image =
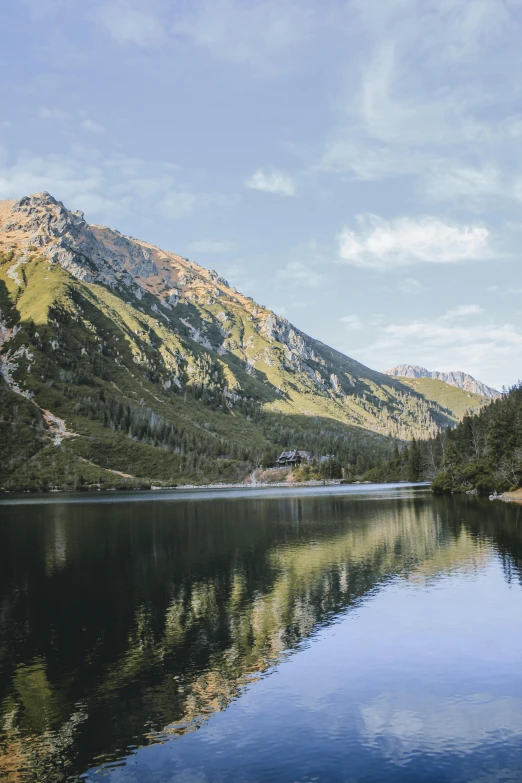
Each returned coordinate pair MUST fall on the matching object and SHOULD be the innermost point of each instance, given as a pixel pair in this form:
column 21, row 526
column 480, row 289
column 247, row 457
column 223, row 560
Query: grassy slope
column 83, row 350
column 457, row 402
column 96, row 350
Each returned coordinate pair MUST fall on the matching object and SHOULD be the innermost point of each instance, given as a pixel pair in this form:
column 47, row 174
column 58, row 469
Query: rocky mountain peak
column 42, row 223
column 455, row 378
column 97, row 254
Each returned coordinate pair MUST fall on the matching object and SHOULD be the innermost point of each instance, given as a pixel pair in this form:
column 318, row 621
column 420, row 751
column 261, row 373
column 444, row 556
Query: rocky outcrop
column 276, row 328
column 89, row 253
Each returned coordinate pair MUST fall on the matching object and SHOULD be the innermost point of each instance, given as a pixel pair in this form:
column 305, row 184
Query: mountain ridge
column 456, row 378
column 141, row 362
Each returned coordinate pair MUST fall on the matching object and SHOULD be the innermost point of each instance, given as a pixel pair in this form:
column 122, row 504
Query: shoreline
column 509, row 497
column 190, row 491
column 221, row 485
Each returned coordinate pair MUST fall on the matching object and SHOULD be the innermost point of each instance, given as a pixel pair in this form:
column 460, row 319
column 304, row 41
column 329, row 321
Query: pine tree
column 415, row 462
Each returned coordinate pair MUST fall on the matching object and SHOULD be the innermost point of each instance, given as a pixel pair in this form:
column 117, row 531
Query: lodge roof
column 288, row 456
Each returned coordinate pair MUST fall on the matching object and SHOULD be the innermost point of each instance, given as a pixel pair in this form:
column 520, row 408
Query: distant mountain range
column 459, row 379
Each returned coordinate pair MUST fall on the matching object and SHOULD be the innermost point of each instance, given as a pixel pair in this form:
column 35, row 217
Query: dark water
column 265, row 637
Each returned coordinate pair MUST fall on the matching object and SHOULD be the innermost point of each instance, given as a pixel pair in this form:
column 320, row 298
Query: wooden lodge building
column 293, row 458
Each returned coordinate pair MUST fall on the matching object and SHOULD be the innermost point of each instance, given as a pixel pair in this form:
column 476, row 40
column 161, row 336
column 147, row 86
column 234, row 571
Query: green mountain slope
column 456, row 402
column 130, row 364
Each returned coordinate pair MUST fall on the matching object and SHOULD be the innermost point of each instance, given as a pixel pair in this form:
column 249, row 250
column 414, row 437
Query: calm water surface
column 333, row 634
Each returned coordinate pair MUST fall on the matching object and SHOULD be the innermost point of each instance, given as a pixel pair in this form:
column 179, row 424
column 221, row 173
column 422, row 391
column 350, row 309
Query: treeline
column 482, row 453
column 146, row 426
column 142, row 424
column 411, row 413
column 356, row 452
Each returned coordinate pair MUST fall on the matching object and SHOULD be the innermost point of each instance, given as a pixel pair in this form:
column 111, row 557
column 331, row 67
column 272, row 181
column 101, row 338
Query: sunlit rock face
column 459, row 379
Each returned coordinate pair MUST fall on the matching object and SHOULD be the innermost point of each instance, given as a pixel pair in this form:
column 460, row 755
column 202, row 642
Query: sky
column 355, row 165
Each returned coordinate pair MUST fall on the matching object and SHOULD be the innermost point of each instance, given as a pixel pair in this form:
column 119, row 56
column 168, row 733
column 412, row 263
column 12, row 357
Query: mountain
column 459, row 379
column 123, row 364
column 450, row 398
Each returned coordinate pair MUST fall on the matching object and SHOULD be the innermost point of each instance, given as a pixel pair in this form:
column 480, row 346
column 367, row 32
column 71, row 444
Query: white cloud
column 392, row 126
column 462, row 311
column 92, row 127
column 130, row 25
column 62, row 176
column 428, row 100
column 388, row 244
column 272, row 181
column 299, row 273
column 352, row 322
column 211, row 247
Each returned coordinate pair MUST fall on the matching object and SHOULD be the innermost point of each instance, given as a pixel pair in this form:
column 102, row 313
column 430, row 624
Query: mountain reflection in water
column 130, row 624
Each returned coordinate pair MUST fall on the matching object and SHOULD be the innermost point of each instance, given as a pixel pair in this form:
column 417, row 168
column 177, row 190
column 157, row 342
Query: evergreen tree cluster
column 483, row 453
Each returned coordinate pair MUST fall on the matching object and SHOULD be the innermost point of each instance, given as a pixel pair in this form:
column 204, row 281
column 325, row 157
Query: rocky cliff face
column 97, row 254
column 459, row 379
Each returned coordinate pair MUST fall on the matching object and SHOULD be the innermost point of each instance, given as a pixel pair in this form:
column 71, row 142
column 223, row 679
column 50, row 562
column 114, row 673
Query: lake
column 260, row 636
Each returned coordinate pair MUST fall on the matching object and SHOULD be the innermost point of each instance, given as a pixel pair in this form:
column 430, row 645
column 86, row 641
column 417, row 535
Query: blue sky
column 356, row 166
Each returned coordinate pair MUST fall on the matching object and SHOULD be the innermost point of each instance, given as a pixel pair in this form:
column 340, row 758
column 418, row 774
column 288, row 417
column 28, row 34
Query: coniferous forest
column 483, row 453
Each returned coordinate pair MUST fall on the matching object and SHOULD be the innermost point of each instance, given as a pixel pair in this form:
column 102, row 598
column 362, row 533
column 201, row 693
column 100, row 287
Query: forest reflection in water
column 131, row 623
